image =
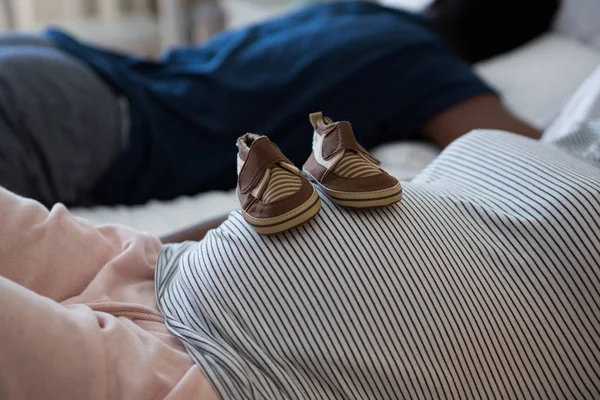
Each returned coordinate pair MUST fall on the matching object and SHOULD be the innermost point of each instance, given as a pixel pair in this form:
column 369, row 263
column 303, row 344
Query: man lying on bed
column 483, row 283
column 79, row 124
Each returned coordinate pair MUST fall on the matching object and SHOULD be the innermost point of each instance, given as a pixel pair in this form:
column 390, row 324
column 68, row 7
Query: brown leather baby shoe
column 345, row 170
column 274, row 195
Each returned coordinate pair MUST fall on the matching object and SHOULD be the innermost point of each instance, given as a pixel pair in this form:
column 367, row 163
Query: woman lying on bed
column 79, row 124
column 483, row 283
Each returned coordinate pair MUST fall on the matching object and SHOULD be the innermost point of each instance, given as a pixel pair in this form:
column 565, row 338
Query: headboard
column 165, row 17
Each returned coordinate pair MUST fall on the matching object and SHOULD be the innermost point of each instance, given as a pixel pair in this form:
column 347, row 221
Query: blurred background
column 145, row 26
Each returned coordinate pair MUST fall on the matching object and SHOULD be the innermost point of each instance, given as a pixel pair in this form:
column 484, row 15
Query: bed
column 536, row 82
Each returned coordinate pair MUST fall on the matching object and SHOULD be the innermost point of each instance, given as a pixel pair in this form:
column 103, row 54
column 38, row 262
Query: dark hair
column 480, row 29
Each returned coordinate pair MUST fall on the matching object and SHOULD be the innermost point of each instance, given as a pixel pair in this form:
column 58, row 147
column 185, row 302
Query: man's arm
column 195, row 232
column 480, row 112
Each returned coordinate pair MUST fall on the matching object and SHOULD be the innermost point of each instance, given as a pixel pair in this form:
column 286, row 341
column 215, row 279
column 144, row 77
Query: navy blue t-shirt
column 384, row 70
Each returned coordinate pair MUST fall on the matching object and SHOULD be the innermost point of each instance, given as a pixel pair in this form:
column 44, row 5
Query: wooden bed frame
column 32, row 14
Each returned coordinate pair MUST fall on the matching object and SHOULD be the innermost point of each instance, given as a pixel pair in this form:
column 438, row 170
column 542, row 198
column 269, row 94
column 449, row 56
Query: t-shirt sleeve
column 393, row 65
column 434, row 81
column 446, row 82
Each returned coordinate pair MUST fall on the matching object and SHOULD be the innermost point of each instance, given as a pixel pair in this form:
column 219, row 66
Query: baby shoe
column 273, row 193
column 347, row 172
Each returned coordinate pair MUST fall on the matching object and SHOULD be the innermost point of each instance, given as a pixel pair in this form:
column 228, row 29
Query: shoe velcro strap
column 263, row 154
column 341, row 138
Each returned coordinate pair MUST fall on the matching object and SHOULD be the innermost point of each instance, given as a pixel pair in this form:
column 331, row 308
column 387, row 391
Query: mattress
column 403, row 160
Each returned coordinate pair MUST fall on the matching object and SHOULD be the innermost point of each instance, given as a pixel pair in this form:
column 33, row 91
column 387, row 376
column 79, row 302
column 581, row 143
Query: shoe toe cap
column 276, row 209
column 382, row 181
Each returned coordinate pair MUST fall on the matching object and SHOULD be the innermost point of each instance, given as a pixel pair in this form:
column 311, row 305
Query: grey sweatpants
column 60, row 124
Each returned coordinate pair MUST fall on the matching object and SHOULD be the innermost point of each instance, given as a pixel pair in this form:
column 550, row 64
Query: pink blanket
column 78, row 315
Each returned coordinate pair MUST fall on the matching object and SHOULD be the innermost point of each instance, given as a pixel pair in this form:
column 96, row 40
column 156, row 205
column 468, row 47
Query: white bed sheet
column 402, row 160
column 536, row 82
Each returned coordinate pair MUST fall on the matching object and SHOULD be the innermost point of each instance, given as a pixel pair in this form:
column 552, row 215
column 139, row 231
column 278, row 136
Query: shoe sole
column 292, row 219
column 376, row 198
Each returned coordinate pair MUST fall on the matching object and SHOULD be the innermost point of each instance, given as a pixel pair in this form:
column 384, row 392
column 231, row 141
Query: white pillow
column 580, row 19
column 537, row 80
column 584, row 105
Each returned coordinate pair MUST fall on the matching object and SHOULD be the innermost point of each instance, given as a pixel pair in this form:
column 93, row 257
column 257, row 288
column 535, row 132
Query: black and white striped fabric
column 483, row 283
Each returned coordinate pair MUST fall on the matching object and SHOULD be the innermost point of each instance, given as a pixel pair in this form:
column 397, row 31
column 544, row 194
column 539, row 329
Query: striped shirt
column 483, row 283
